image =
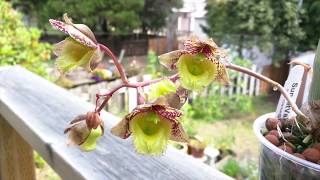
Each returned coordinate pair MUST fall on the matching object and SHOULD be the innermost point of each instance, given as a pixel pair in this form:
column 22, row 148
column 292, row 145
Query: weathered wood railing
column 35, row 112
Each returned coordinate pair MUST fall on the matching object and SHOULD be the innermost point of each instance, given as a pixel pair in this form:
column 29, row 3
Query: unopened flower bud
column 85, row 130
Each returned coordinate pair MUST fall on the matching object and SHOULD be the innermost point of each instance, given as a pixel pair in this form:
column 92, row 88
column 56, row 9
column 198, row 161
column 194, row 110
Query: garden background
column 264, row 35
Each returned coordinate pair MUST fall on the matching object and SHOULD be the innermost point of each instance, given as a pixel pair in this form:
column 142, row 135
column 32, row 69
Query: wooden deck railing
column 34, row 113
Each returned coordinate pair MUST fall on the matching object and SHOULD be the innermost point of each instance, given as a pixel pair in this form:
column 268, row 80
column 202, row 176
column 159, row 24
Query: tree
column 271, row 25
column 155, row 12
column 19, row 44
column 310, row 24
column 111, row 16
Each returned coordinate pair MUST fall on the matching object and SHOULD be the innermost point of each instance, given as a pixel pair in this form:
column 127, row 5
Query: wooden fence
column 33, row 115
column 126, row 99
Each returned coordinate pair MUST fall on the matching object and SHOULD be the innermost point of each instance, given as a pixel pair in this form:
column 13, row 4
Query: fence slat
column 251, row 81
column 238, row 84
column 244, row 84
column 257, row 88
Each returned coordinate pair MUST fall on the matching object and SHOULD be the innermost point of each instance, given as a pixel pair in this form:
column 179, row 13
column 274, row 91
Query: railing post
column 16, row 155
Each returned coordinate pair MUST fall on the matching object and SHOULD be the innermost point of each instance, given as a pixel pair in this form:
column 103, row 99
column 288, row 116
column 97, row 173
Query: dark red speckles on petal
column 167, row 112
column 61, row 26
column 207, row 51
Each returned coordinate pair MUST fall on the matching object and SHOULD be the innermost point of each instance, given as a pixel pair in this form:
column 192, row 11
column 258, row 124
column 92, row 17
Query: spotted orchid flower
column 80, row 49
column 151, row 126
column 198, row 64
column 85, row 130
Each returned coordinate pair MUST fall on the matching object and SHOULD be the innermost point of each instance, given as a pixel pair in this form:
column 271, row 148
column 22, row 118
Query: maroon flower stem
column 116, row 63
column 130, row 85
column 276, row 86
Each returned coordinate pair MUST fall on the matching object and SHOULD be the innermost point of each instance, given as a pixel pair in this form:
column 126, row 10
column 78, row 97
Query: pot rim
column 259, row 123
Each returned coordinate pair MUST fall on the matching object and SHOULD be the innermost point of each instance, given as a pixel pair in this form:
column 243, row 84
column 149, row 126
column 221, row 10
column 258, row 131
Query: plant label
column 292, row 85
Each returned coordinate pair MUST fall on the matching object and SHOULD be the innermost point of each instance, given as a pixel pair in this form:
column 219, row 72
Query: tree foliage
column 154, row 13
column 112, row 16
column 274, row 26
column 310, row 24
column 19, row 44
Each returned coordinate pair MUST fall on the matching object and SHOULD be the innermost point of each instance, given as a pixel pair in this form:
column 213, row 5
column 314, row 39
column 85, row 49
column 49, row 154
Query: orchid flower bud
column 85, row 130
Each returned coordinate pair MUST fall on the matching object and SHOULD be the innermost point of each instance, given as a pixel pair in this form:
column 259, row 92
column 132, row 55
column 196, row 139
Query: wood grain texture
column 40, row 110
column 16, row 155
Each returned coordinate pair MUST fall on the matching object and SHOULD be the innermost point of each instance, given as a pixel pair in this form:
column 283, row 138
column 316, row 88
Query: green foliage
column 187, row 121
column 267, row 24
column 310, row 24
column 19, row 44
column 231, row 168
column 154, row 13
column 219, row 106
column 153, row 64
column 113, row 16
column 240, row 170
column 39, row 161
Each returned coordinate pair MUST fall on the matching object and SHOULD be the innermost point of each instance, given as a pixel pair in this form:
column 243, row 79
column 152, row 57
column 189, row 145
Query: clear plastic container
column 276, row 164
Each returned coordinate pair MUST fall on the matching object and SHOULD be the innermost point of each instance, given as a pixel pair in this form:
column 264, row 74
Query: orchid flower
column 151, row 126
column 80, row 49
column 198, row 64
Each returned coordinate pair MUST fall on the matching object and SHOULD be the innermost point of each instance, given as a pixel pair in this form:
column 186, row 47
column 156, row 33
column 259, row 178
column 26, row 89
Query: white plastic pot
column 276, row 164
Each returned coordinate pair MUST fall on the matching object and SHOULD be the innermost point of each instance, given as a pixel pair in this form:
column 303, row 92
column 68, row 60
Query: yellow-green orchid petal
column 91, row 141
column 150, row 133
column 72, row 54
column 161, row 88
column 152, row 126
column 195, row 71
column 170, row 59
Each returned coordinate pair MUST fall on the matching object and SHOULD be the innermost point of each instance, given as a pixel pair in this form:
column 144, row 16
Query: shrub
column 219, row 106
column 231, row 168
column 19, row 44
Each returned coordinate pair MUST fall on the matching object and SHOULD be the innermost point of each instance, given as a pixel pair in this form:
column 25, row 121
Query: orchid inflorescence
column 156, row 119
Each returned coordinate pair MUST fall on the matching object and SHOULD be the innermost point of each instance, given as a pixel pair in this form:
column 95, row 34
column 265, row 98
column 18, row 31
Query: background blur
column 263, row 35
